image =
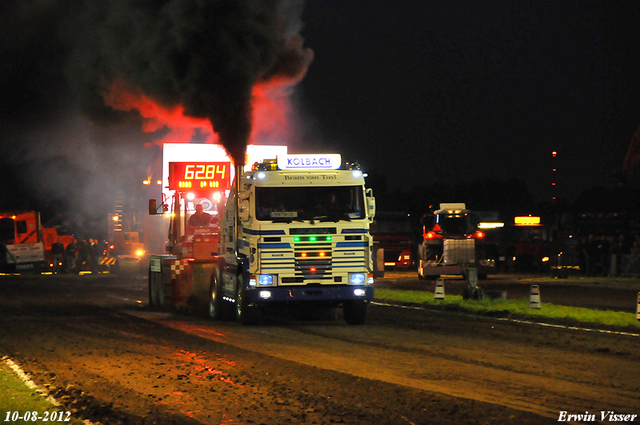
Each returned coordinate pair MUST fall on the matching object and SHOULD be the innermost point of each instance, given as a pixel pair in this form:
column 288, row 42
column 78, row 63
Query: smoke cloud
column 208, row 60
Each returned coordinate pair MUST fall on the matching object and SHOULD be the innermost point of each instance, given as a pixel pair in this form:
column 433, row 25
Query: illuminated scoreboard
column 199, row 176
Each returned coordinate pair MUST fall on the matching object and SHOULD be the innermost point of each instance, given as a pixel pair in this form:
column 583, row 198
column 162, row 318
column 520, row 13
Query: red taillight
column 430, row 235
column 479, row 234
column 112, row 247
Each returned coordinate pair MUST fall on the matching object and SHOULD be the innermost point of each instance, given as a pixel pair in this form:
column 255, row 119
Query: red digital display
column 199, row 176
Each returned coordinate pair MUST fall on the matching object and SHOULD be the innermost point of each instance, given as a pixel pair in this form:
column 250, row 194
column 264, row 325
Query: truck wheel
column 218, row 308
column 155, row 282
column 355, row 312
column 245, row 314
column 152, row 301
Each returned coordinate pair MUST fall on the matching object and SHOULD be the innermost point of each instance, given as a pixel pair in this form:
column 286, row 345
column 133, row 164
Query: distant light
column 357, row 174
column 146, row 182
column 191, row 196
column 115, row 218
column 554, row 154
column 490, row 225
column 527, row 221
column 261, row 175
column 159, row 182
column 217, row 196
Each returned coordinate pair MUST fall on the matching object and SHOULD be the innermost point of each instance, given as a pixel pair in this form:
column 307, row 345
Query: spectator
column 84, row 252
column 71, row 253
column 57, row 251
column 94, row 254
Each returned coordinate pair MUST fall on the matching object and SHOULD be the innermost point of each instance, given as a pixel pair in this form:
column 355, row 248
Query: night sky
column 420, row 93
column 441, row 91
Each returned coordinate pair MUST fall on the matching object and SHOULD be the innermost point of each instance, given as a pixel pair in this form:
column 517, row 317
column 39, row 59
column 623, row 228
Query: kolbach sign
column 310, row 162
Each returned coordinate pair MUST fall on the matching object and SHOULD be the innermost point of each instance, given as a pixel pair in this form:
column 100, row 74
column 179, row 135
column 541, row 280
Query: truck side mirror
column 371, row 204
column 153, row 208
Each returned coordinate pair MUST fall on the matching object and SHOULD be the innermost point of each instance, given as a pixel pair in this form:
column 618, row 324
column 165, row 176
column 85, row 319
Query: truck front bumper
column 335, row 293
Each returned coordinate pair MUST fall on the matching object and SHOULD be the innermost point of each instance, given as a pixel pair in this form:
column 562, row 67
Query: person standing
column 57, row 251
column 70, row 255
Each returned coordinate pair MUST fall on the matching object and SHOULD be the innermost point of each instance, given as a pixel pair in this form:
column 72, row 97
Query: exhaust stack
column 238, row 170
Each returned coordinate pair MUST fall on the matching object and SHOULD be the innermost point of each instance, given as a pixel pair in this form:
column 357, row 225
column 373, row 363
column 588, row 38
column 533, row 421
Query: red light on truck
column 480, row 234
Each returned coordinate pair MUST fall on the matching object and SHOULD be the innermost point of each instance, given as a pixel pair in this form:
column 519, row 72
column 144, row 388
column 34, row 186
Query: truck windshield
column 324, row 203
column 453, row 225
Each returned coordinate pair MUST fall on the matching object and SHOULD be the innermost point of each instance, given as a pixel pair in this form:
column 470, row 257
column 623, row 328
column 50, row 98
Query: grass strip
column 517, row 306
column 15, row 396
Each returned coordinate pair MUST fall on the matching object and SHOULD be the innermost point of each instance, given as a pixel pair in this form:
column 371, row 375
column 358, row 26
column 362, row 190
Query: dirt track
column 103, row 353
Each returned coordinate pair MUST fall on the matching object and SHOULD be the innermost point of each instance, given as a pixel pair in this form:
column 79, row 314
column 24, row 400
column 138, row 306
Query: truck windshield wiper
column 286, row 220
column 333, row 218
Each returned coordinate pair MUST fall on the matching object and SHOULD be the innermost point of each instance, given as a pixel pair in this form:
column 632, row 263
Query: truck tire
column 218, row 307
column 355, row 312
column 245, row 314
column 155, row 281
column 152, row 301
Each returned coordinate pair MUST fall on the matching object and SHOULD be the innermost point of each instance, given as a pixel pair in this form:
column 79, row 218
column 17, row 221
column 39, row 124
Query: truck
column 452, row 244
column 26, row 243
column 393, row 233
column 293, row 232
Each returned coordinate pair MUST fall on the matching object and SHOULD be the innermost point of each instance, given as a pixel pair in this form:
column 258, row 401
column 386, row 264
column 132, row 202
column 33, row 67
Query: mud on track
column 78, row 338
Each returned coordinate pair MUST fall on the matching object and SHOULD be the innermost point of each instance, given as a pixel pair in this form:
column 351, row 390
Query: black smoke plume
column 205, row 55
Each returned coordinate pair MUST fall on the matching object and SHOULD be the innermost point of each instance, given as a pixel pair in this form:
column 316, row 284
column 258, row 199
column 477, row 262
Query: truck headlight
column 266, row 280
column 356, row 278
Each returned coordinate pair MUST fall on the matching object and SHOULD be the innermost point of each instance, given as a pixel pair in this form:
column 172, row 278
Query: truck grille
column 310, row 259
column 313, row 260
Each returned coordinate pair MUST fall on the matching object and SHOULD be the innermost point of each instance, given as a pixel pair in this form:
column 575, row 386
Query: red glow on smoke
column 123, row 97
column 270, row 114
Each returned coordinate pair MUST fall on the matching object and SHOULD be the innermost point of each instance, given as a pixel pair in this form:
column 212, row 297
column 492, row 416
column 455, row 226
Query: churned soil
column 92, row 343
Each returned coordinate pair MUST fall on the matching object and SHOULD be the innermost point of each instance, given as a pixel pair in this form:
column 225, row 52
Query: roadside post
column 439, row 293
column 534, row 298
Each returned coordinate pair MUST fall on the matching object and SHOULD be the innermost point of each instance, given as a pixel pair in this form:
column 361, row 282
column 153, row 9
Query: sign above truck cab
column 310, row 162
